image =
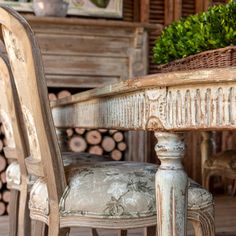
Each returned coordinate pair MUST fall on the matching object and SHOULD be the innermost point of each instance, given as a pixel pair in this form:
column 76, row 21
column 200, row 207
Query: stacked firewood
column 99, row 142
column 4, row 192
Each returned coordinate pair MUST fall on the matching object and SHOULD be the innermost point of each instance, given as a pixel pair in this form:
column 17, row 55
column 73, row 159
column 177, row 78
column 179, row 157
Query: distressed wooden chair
column 18, row 180
column 117, row 195
column 222, row 164
column 16, row 151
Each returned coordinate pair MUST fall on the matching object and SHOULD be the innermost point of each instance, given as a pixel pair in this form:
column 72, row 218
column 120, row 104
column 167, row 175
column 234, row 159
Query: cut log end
column 69, row 132
column 116, row 155
column 63, row 94
column 80, row 131
column 3, row 163
column 2, row 208
column 93, row 137
column 97, row 150
column 118, row 136
column 6, row 196
column 77, row 144
column 122, row 146
column 108, row 144
column 52, row 97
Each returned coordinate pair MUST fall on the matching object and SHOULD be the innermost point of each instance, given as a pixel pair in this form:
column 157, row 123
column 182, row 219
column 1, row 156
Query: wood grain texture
column 106, row 51
column 224, row 214
column 203, row 100
column 15, row 146
column 171, row 185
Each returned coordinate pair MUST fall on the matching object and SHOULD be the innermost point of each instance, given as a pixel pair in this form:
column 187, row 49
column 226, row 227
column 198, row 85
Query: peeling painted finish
column 171, row 185
column 175, row 108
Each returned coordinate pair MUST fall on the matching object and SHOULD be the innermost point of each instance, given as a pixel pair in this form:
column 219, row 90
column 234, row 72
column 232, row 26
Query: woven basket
column 222, row 57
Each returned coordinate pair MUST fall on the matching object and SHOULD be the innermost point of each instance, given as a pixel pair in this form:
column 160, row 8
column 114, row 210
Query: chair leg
column 206, row 180
column 150, row 231
column 122, row 232
column 64, row 232
column 203, row 221
column 38, row 228
column 13, row 214
column 94, row 232
column 233, row 188
column 24, row 221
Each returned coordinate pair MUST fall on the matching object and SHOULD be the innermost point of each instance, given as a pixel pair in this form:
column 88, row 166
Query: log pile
column 99, row 142
column 4, row 192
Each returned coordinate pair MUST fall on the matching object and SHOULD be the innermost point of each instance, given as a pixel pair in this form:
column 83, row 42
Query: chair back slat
column 26, row 64
column 9, row 113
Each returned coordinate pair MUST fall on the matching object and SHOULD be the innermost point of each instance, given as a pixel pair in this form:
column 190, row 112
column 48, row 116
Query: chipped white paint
column 170, row 108
column 171, row 185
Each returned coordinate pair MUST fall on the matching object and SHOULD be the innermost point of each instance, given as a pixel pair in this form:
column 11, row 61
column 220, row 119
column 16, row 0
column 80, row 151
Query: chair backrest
column 26, row 65
column 9, row 115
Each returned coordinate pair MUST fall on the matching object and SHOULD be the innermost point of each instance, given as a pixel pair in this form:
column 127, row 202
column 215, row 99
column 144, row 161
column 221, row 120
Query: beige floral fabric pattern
column 225, row 159
column 111, row 190
column 13, row 174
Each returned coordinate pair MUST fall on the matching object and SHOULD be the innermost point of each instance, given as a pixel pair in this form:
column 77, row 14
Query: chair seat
column 111, row 190
column 225, row 159
column 13, row 176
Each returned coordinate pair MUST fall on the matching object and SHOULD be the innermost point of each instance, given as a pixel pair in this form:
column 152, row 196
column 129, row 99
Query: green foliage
column 101, row 3
column 213, row 29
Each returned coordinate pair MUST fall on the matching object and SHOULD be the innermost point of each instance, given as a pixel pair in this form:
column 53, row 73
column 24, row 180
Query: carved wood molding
column 173, row 108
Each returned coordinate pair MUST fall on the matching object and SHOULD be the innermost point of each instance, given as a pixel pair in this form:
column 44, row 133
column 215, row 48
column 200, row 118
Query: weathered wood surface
column 88, row 53
column 180, row 101
column 171, row 185
column 202, row 99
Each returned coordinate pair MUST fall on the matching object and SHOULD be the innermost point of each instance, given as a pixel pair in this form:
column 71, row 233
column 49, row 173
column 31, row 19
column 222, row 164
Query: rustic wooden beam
column 145, row 11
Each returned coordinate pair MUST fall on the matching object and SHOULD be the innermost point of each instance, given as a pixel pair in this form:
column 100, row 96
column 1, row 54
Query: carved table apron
column 168, row 104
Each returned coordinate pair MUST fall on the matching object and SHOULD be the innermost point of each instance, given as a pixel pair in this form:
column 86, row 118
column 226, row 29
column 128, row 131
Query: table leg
column 171, row 185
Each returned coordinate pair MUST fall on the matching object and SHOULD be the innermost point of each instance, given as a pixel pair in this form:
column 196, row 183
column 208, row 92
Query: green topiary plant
column 213, row 29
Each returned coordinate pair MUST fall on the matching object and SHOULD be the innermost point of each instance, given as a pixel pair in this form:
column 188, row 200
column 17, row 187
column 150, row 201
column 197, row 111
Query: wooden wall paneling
column 156, row 16
column 177, row 9
column 213, row 2
column 188, row 7
column 169, row 11
column 157, row 12
column 137, row 10
column 201, row 5
column 128, row 10
column 173, row 11
column 145, row 11
column 89, row 53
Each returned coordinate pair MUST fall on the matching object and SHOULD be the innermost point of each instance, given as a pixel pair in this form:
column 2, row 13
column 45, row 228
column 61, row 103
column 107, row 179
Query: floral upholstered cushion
column 111, row 190
column 13, row 175
column 225, row 159
column 198, row 197
column 13, row 170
